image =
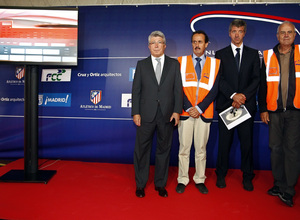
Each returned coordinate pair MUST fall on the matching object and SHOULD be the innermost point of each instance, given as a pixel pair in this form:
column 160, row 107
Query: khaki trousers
column 198, row 130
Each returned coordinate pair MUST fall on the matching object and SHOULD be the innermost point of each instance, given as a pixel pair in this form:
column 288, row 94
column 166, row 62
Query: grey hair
column 157, row 34
column 285, row 22
column 238, row 23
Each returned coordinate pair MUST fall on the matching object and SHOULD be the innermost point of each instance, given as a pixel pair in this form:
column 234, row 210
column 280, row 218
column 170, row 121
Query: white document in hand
column 234, row 116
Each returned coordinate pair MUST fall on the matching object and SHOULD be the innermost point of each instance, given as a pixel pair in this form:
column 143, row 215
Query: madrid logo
column 96, row 96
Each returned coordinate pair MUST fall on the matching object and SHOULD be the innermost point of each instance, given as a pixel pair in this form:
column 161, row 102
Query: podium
column 30, row 174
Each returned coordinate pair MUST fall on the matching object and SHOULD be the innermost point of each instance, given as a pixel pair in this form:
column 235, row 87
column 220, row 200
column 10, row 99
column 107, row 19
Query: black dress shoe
column 162, row 191
column 287, row 199
column 180, row 188
column 274, row 191
column 202, row 188
column 140, row 192
column 247, row 184
column 221, row 182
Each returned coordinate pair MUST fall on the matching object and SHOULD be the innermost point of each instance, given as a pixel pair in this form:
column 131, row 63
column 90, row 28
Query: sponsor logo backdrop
column 85, row 110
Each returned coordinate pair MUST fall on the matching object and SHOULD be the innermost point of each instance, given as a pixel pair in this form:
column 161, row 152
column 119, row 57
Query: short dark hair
column 200, row 32
column 238, row 23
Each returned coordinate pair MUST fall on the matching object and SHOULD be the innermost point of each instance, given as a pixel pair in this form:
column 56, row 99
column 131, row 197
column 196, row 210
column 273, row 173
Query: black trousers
column 284, row 142
column 245, row 135
column 143, row 146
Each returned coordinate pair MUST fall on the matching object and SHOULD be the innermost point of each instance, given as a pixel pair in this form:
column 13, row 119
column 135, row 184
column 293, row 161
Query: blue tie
column 198, row 68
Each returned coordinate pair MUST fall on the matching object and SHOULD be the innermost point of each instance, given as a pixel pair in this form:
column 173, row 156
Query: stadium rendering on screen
column 39, row 36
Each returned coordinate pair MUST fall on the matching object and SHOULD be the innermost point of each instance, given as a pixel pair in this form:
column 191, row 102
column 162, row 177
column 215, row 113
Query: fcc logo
column 56, row 75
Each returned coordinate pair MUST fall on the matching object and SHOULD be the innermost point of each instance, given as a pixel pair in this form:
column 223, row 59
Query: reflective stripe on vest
column 297, row 72
column 189, row 80
column 273, row 78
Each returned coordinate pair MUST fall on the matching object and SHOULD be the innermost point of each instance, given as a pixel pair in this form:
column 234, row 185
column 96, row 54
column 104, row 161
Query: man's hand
column 193, row 112
column 175, row 116
column 137, row 120
column 264, row 116
column 235, row 104
column 238, row 100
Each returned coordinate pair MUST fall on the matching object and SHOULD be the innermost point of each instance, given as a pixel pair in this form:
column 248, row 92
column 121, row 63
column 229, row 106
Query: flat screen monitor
column 39, row 36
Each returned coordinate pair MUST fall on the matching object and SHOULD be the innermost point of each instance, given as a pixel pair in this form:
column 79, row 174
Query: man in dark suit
column 156, row 105
column 237, row 87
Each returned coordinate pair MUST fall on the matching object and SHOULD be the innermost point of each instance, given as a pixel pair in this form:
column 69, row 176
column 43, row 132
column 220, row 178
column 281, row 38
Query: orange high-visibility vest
column 190, row 81
column 273, row 78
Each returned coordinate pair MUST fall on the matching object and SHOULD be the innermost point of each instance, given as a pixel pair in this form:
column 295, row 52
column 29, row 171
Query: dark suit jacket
column 246, row 81
column 147, row 94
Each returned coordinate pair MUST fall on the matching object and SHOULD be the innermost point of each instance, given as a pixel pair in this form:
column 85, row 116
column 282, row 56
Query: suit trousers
column 245, row 135
column 189, row 130
column 284, row 142
column 143, row 146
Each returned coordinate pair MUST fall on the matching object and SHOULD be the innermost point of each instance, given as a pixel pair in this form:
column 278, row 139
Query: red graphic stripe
column 246, row 14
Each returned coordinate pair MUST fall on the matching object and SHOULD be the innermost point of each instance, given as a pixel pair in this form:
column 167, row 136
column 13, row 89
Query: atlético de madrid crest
column 96, row 96
column 20, row 72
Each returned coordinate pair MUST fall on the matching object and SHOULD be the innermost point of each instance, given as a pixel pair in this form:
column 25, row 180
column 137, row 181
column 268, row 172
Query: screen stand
column 30, row 173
